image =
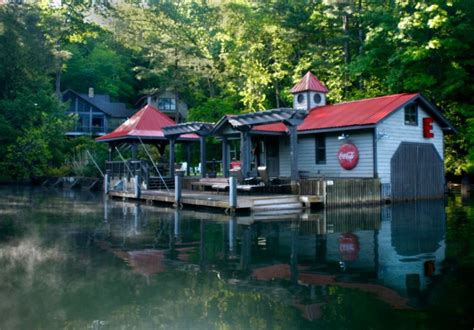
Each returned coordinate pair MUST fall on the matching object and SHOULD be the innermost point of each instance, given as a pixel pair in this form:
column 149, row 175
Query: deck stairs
column 155, row 183
column 287, row 204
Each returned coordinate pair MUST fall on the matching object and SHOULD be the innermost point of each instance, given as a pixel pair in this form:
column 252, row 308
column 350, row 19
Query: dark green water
column 71, row 260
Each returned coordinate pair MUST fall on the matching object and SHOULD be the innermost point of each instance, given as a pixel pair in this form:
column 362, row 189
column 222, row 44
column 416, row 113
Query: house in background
column 169, row 103
column 96, row 114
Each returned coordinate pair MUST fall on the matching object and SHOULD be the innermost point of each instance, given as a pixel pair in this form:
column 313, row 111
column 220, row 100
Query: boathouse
column 397, row 139
column 350, row 153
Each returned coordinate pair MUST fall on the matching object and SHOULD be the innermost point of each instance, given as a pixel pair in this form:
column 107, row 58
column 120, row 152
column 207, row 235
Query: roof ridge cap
column 367, row 99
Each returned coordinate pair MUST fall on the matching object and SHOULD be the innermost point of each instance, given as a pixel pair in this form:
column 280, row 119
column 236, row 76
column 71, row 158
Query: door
column 417, row 172
column 272, row 159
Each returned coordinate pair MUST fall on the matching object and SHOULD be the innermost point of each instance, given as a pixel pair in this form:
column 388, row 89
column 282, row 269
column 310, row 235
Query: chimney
column 148, row 100
column 91, row 92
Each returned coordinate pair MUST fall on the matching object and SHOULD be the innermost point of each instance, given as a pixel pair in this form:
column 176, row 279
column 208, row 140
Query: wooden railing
column 120, row 169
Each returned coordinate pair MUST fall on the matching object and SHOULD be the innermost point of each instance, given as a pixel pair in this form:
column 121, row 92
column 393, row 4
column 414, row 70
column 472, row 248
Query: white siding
column 304, row 104
column 393, row 131
column 307, row 155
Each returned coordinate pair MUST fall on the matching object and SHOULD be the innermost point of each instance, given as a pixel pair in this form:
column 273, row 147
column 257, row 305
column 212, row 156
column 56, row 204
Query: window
column 411, row 115
column 320, row 149
column 97, row 123
column 317, row 98
column 300, row 98
column 167, row 104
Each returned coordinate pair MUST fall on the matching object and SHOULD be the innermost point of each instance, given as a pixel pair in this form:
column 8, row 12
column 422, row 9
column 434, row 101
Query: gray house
column 168, row 102
column 398, row 139
column 96, row 114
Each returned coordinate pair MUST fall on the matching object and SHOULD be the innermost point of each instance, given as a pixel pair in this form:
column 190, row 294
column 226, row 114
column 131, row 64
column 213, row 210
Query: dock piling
column 178, row 181
column 106, row 182
column 137, row 184
column 232, row 193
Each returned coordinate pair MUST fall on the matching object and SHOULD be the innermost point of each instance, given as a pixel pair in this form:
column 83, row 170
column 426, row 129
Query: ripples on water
column 71, row 260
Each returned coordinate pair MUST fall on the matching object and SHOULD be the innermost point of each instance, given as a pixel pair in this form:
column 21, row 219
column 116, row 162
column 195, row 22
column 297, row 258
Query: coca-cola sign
column 348, row 156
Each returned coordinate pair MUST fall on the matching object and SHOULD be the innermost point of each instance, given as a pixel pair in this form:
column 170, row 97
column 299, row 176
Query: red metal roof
column 146, row 123
column 309, row 83
column 355, row 113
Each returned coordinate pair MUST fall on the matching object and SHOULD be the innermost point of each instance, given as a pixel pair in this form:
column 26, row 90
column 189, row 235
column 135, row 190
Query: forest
column 223, row 57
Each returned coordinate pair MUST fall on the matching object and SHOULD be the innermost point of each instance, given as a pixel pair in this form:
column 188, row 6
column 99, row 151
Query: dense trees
column 234, row 56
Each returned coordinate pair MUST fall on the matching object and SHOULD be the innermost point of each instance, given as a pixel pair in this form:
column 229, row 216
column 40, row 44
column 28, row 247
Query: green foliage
column 236, row 56
column 79, row 160
column 95, row 63
column 33, row 122
column 212, row 110
column 29, row 155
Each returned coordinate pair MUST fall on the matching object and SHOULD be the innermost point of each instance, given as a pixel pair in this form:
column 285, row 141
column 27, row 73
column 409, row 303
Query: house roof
column 147, row 123
column 364, row 112
column 102, row 102
column 309, row 83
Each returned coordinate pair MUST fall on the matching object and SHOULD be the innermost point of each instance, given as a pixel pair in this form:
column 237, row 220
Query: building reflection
column 391, row 251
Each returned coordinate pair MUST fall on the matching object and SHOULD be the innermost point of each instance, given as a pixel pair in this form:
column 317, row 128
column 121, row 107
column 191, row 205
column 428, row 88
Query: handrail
column 125, row 162
column 154, row 165
column 93, row 160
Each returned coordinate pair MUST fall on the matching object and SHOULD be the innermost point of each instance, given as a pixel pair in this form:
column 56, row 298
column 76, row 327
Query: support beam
column 172, row 155
column 245, row 150
column 111, row 150
column 202, row 140
column 225, row 157
column 134, row 151
column 293, row 152
column 188, row 158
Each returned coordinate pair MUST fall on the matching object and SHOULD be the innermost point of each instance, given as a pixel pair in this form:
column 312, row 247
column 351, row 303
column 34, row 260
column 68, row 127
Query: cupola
column 309, row 92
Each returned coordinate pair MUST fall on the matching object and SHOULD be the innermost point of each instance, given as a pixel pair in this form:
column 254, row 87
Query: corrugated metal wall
column 417, row 172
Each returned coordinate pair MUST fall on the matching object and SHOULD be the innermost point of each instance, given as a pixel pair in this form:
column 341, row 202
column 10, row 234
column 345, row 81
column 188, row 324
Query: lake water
column 71, row 259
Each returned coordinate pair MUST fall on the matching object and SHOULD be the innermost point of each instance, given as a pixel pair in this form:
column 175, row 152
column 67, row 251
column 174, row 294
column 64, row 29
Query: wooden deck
column 260, row 203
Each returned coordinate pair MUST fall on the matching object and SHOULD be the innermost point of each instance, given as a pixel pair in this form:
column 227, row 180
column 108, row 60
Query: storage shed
column 397, row 138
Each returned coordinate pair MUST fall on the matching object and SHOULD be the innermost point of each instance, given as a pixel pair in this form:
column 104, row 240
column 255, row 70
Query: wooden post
column 172, row 155
column 134, row 151
column 188, row 158
column 111, row 150
column 178, row 179
column 137, row 184
column 232, row 193
column 245, row 151
column 106, row 181
column 225, row 157
column 293, row 152
column 202, row 140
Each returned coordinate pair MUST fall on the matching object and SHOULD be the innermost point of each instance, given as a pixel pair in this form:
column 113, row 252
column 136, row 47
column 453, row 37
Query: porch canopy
column 242, row 125
column 174, row 132
column 145, row 126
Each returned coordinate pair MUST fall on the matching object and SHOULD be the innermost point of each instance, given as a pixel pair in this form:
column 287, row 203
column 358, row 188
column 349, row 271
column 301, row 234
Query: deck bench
column 204, row 183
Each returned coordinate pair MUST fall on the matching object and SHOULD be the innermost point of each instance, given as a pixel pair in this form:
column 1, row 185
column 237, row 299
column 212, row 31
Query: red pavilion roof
column 355, row 113
column 146, row 123
column 309, row 83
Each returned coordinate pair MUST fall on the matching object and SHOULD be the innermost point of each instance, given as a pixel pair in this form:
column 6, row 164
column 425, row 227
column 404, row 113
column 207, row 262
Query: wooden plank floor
column 212, row 199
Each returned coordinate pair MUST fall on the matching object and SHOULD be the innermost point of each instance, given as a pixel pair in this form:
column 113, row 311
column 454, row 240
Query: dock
column 209, row 199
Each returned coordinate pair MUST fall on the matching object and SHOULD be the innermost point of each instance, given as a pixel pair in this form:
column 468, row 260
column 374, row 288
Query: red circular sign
column 348, row 156
column 349, row 246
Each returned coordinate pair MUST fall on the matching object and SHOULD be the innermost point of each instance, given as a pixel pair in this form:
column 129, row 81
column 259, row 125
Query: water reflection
column 116, row 263
column 397, row 247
